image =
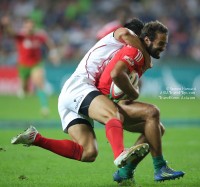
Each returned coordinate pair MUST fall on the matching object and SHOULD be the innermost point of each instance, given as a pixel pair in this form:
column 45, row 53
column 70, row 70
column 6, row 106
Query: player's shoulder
column 40, row 32
column 130, row 49
column 132, row 54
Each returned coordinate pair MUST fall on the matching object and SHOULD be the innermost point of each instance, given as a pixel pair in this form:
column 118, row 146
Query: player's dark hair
column 151, row 29
column 135, row 25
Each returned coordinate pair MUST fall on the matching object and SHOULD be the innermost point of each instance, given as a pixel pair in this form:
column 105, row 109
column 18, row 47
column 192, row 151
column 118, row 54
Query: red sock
column 66, row 148
column 114, row 134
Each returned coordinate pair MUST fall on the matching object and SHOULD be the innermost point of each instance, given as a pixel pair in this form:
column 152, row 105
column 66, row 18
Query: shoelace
column 170, row 170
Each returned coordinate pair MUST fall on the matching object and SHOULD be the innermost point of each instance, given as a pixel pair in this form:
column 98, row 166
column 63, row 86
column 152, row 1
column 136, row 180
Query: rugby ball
column 116, row 93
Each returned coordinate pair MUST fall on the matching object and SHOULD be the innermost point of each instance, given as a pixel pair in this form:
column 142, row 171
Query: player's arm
column 126, row 36
column 53, row 52
column 7, row 27
column 119, row 75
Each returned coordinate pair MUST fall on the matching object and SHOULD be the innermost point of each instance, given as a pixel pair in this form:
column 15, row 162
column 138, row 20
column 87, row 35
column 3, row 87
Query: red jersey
column 131, row 56
column 108, row 28
column 29, row 52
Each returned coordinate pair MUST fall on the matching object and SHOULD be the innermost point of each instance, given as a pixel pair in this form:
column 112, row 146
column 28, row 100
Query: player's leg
column 142, row 139
column 83, row 134
column 82, row 147
column 38, row 77
column 65, row 148
column 125, row 175
column 144, row 118
column 135, row 118
column 102, row 109
column 83, row 98
column 24, row 74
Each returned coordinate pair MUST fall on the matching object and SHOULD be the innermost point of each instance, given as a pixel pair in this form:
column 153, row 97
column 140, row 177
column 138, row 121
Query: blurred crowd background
column 74, row 24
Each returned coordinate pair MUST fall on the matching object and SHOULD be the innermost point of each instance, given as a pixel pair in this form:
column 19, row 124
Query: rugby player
column 80, row 103
column 30, row 65
column 139, row 117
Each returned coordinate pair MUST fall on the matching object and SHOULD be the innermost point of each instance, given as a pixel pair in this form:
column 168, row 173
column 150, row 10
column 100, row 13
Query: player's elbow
column 121, row 33
column 124, row 32
column 114, row 75
column 137, row 95
column 125, row 35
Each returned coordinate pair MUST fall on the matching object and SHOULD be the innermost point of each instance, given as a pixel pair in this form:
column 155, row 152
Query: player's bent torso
column 85, row 78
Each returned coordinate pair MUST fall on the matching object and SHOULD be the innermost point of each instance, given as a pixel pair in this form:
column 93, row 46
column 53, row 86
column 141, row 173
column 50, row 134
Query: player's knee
column 89, row 155
column 154, row 112
column 114, row 115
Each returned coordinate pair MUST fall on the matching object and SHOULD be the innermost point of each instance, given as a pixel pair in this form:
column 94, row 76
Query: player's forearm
column 53, row 52
column 123, row 82
column 50, row 44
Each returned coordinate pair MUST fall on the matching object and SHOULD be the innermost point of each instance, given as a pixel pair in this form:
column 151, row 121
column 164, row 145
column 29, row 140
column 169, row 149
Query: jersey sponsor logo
column 129, row 60
column 139, row 56
column 28, row 44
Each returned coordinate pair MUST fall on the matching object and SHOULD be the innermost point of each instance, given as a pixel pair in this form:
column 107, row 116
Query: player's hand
column 146, row 66
column 55, row 61
column 5, row 20
column 54, row 57
column 131, row 97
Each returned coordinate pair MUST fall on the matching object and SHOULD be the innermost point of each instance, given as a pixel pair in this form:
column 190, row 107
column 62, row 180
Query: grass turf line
column 13, row 108
column 43, row 168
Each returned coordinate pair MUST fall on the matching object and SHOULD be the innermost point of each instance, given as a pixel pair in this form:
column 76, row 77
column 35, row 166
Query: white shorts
column 71, row 97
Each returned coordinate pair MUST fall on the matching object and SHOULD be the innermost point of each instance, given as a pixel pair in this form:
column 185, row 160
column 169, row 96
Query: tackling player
column 79, row 102
column 30, row 65
column 138, row 116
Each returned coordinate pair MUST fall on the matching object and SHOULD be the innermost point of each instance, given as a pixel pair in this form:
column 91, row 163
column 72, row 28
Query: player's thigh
column 103, row 109
column 37, row 76
column 136, row 112
column 86, row 99
column 24, row 74
column 140, row 128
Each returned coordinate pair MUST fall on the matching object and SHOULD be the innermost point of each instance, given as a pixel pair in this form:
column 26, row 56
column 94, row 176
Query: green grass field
column 43, row 168
column 13, row 108
column 181, row 147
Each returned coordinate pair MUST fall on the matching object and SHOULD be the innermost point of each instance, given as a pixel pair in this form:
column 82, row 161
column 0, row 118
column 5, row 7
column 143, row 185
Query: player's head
column 28, row 25
column 155, row 36
column 135, row 25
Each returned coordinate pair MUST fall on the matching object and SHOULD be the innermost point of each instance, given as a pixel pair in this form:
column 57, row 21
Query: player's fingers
column 151, row 64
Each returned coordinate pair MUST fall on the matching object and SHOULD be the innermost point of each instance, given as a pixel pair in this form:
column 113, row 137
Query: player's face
column 158, row 45
column 28, row 26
